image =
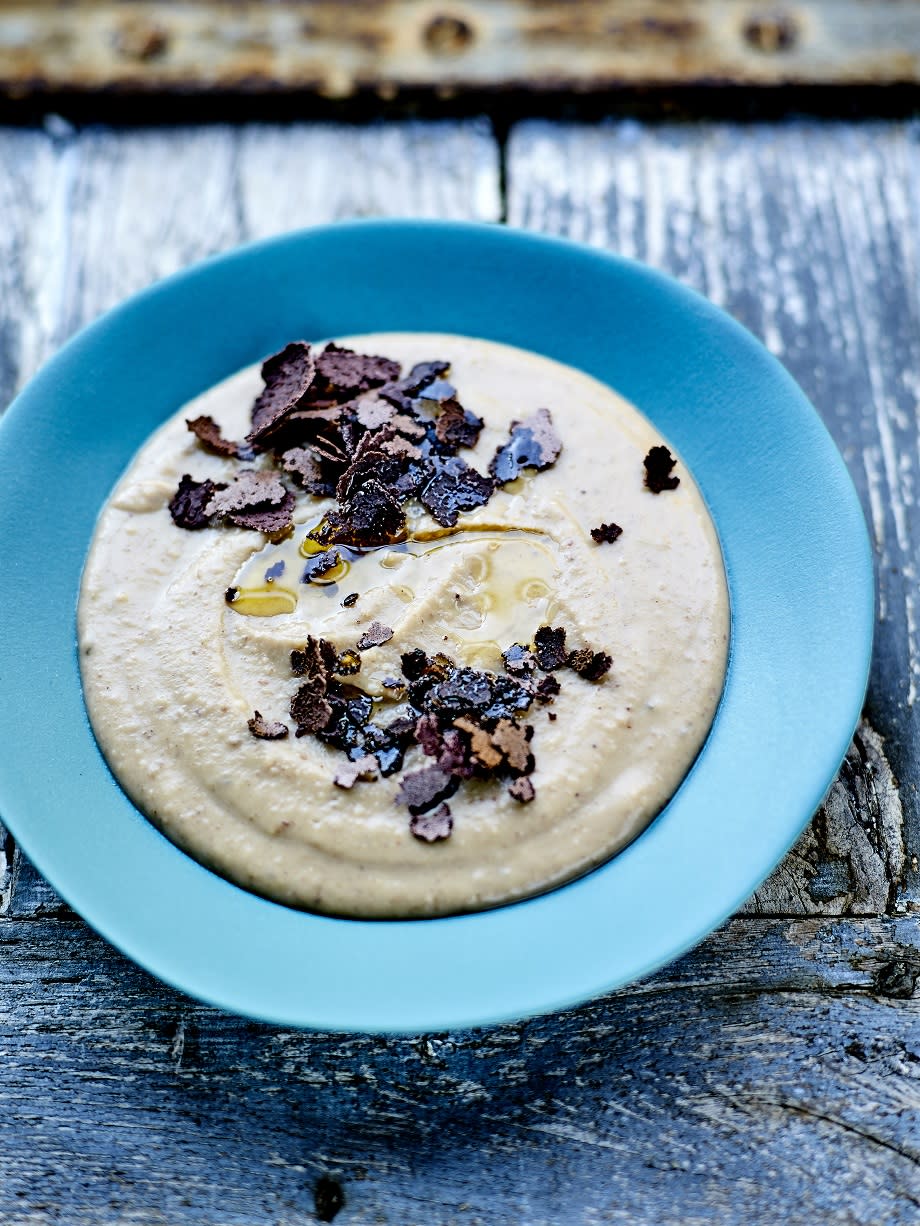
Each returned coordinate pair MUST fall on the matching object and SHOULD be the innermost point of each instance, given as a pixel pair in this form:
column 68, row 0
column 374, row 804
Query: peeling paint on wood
column 336, row 49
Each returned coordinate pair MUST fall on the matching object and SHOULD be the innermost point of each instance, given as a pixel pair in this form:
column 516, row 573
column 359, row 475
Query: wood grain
column 806, row 233
column 786, row 1090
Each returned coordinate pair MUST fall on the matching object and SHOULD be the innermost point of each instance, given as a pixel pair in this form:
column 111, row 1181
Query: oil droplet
column 309, row 546
column 267, row 602
column 334, row 575
column 534, row 589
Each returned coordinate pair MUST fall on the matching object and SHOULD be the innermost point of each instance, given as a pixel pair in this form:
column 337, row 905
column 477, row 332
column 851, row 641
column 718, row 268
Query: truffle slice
column 606, row 534
column 519, row 660
column 303, row 465
column 421, row 790
column 317, row 658
column 248, row 490
column 658, row 464
column 363, row 768
column 522, row 790
column 456, row 426
column 534, row 443
column 287, row 376
column 344, row 374
column 270, row 520
column 375, row 635
column 549, row 647
column 547, row 689
column 481, row 746
column 320, row 564
column 432, row 827
column 309, row 708
column 267, row 729
column 208, row 433
column 371, row 516
column 188, row 506
column 592, row 665
column 373, row 412
column 455, row 487
column 513, row 740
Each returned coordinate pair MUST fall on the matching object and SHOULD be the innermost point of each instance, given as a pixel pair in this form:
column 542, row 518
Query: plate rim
column 541, row 999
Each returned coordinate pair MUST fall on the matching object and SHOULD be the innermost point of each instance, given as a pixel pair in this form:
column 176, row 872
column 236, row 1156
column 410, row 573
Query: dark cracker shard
column 266, row 729
column 658, row 464
column 534, row 443
column 188, row 506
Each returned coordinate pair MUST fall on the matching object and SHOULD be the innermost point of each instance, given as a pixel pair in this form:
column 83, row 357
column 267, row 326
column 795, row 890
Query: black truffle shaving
column 606, row 534
column 550, row 649
column 534, row 443
column 658, row 464
column 188, row 505
column 455, row 487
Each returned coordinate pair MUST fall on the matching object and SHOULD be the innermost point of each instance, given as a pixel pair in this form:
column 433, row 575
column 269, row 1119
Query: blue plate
column 799, row 570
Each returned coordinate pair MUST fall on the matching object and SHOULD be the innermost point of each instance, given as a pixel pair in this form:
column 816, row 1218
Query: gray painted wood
column 806, row 232
column 771, row 1075
column 784, row 1090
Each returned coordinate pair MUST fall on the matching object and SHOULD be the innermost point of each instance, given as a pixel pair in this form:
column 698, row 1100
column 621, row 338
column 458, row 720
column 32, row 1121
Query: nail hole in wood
column 772, row 31
column 447, row 35
column 139, row 40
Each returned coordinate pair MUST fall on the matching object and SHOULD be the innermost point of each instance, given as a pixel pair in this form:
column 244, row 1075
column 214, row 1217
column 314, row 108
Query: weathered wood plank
column 90, row 217
column 805, row 232
column 850, row 860
column 336, row 49
column 788, row 1090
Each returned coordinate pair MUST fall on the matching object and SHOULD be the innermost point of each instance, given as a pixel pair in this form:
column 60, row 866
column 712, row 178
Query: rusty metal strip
column 336, row 49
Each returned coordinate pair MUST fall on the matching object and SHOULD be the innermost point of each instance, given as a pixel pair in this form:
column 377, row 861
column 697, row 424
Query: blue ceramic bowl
column 796, row 553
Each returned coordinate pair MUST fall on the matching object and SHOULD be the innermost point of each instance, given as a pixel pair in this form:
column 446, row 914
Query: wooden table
column 771, row 1075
